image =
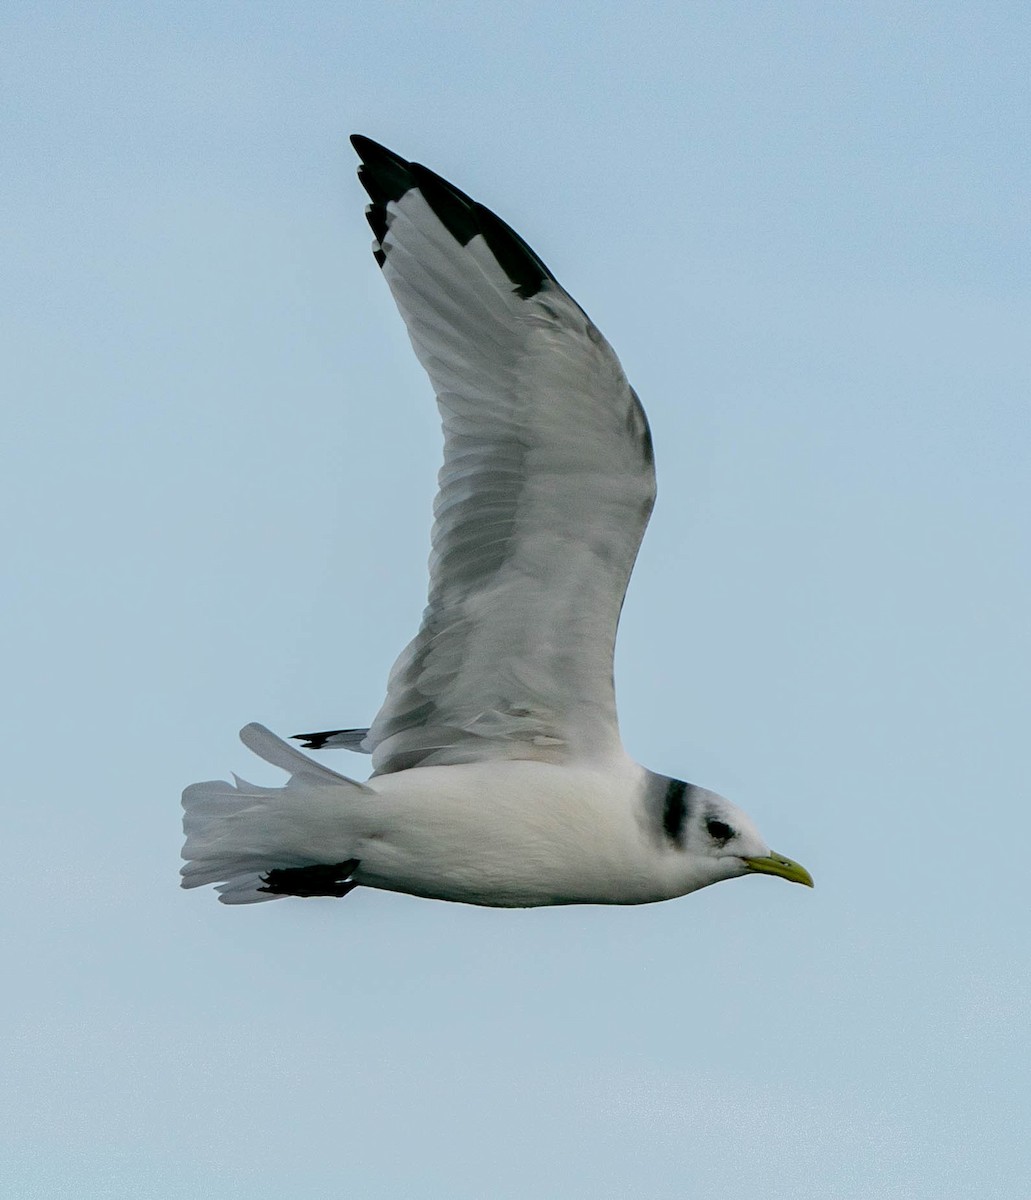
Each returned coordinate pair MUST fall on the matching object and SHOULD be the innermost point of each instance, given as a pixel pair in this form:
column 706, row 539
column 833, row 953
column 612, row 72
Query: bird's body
column 500, row 777
column 512, row 834
column 521, row 833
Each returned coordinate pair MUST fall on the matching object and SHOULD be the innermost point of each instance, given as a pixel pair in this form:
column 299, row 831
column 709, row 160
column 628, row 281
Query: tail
column 260, row 843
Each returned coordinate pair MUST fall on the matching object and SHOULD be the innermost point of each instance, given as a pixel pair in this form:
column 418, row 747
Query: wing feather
column 545, row 491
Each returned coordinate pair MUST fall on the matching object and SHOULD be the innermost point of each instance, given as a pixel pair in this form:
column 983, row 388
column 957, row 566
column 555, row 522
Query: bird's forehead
column 713, row 805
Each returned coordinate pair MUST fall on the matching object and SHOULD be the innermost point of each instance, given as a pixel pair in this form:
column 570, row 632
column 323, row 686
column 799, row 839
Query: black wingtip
column 370, row 151
column 521, row 264
column 452, row 207
column 387, row 176
column 312, row 741
column 367, row 146
column 351, row 739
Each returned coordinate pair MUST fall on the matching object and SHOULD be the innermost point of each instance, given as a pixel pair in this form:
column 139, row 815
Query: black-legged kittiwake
column 499, row 777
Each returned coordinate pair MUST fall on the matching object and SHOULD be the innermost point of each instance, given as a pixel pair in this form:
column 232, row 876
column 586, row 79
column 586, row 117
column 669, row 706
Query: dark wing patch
column 386, row 177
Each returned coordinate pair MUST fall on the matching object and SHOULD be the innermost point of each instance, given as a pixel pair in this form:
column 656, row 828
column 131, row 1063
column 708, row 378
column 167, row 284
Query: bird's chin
column 728, row 866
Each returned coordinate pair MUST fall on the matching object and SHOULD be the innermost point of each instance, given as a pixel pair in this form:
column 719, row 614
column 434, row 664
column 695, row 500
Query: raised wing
column 545, row 492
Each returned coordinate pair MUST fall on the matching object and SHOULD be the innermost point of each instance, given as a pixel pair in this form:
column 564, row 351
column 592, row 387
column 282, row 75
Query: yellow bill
column 777, row 864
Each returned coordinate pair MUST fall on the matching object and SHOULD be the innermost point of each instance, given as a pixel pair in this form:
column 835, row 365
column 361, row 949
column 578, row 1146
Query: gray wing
column 547, row 485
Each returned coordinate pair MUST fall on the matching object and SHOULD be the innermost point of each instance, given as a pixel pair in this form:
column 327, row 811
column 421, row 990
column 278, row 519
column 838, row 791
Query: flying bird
column 499, row 777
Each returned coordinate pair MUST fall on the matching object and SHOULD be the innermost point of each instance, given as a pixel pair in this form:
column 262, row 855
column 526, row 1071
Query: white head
column 716, row 839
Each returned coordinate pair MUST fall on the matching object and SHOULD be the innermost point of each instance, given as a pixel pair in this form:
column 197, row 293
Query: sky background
column 803, row 227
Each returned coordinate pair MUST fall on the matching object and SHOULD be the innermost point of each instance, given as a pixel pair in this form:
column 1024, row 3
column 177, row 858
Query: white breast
column 513, row 834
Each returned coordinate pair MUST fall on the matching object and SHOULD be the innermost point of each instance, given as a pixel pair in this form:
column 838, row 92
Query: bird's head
column 728, row 843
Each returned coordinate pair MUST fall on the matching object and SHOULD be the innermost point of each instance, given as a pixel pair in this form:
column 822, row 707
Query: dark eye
column 719, row 831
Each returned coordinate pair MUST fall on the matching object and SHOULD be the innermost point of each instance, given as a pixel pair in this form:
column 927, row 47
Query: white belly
column 510, row 834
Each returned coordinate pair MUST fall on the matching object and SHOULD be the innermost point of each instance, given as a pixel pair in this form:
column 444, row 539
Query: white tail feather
column 237, row 832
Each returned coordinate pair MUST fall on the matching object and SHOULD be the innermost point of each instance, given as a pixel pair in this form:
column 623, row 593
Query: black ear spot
column 719, row 831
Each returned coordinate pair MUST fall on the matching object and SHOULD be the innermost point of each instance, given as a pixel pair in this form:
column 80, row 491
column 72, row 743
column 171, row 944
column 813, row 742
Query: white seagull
column 499, row 774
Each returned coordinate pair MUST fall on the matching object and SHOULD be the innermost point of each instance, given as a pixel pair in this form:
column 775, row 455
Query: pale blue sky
column 804, row 229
